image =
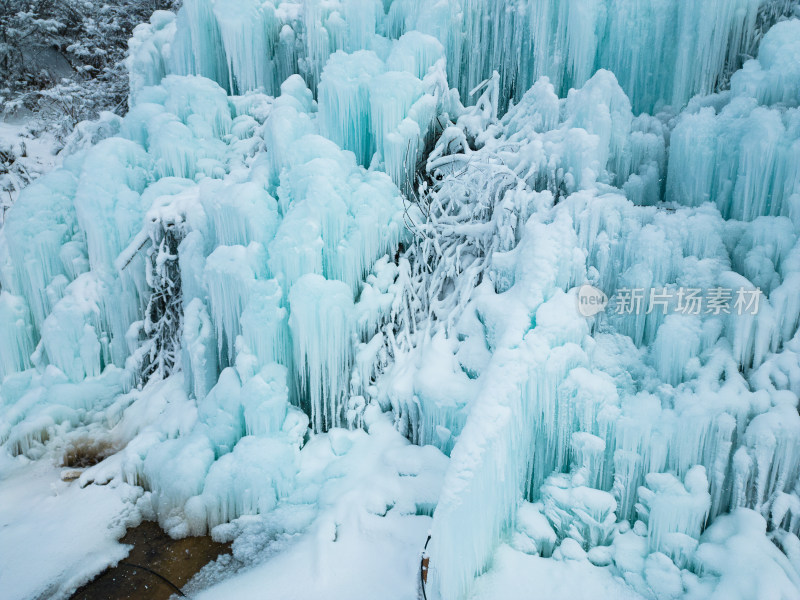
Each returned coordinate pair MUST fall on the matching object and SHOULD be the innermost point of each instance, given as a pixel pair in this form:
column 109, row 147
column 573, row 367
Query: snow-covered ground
column 516, row 576
column 354, row 523
column 55, row 536
column 367, row 528
column 26, row 156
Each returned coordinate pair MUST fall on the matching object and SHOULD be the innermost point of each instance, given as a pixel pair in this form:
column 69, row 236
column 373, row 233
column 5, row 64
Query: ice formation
column 325, row 227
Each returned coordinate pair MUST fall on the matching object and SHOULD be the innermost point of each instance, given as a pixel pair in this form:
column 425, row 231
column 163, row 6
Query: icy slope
column 309, row 317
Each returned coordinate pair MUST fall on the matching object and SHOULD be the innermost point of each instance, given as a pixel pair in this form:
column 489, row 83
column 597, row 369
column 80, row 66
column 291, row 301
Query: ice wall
column 190, row 158
column 665, row 437
column 652, row 47
column 353, row 241
column 741, row 150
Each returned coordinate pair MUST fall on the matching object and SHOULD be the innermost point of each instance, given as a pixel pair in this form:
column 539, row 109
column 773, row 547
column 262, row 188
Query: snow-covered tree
column 159, row 332
column 466, row 212
column 64, row 59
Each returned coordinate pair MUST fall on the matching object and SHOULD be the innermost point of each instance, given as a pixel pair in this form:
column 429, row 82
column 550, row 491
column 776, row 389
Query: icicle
column 344, row 102
column 16, row 335
column 488, row 475
column 241, row 213
column 230, row 274
column 415, row 53
column 199, row 349
column 774, row 77
column 752, row 173
column 677, row 341
column 483, row 486
column 147, row 60
column 265, row 399
column 584, row 514
column 362, row 17
column 248, row 481
column 175, row 470
column 589, row 456
column 197, row 47
column 249, row 32
column 771, row 440
column 42, row 220
column 390, row 98
column 322, row 324
column 73, row 334
column 338, row 218
column 565, row 41
column 264, row 324
column 669, row 507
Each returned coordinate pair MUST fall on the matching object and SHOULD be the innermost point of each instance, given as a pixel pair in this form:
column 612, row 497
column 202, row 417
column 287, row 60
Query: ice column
column 230, row 275
column 322, row 324
column 344, row 101
column 675, row 512
column 16, row 335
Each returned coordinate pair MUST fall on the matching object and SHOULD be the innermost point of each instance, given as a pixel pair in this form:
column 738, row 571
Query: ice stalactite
column 250, row 35
column 199, row 348
column 289, row 120
column 250, row 480
column 675, row 512
column 230, row 275
column 566, row 42
column 16, row 335
column 180, row 123
column 264, row 320
column 265, row 400
column 147, row 61
column 404, row 147
column 753, row 172
column 625, row 443
column 513, row 395
column 74, row 334
column 580, row 512
column 344, row 100
column 239, row 213
column 173, row 471
column 107, row 202
column 195, row 47
column 415, row 53
column 773, row 77
column 677, row 342
column 338, row 217
column 771, row 468
column 322, row 325
column 42, row 241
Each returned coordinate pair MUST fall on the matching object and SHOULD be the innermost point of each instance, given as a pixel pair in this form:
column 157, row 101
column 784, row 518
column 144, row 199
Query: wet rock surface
column 156, row 568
